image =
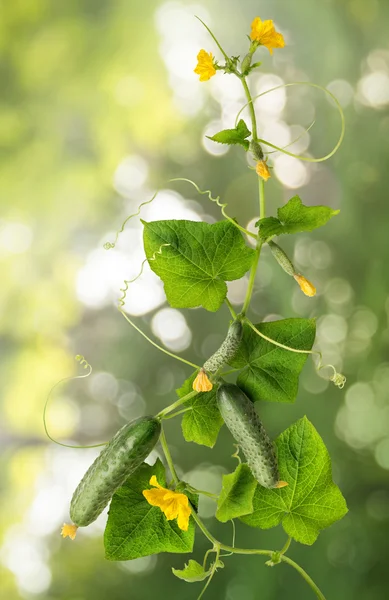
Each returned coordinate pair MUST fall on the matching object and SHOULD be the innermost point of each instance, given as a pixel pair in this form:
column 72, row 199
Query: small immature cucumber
column 282, row 258
column 120, row 458
column 228, row 348
column 242, row 420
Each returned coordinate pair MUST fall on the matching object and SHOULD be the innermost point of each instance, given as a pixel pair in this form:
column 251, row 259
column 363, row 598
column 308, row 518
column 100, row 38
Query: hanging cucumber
column 120, row 458
column 242, row 420
column 228, row 348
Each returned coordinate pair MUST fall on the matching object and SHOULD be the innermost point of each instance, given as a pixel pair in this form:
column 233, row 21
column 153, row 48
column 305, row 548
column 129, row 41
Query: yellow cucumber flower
column 173, row 504
column 281, row 484
column 263, row 170
column 265, row 34
column 306, row 286
column 69, row 531
column 202, row 383
column 205, row 65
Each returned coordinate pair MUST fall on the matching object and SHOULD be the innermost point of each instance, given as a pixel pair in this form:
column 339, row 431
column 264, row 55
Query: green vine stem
column 262, row 206
column 218, row 546
column 253, row 271
column 250, row 104
column 231, row 309
column 305, row 576
column 171, row 407
column 285, row 548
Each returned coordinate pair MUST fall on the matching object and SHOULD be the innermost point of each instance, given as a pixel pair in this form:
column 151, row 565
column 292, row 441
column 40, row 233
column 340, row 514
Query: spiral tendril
column 218, row 203
column 110, row 245
column 301, row 157
column 295, row 139
column 84, row 363
column 337, row 378
column 127, row 282
column 236, row 453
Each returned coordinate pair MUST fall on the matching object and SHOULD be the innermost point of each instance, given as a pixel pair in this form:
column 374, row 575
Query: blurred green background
column 99, row 106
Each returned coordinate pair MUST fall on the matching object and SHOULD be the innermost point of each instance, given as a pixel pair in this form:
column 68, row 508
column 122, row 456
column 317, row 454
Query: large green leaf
column 295, row 217
column 311, row 501
column 197, row 261
column 202, row 423
column 270, row 372
column 236, row 496
column 135, row 528
column 233, row 136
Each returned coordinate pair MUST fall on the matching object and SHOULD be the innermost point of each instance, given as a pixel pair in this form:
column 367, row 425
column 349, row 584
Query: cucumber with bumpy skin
column 120, row 458
column 246, row 427
column 228, row 348
column 282, row 259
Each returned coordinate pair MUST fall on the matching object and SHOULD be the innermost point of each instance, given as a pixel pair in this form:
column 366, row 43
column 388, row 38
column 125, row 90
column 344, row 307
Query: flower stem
column 262, row 203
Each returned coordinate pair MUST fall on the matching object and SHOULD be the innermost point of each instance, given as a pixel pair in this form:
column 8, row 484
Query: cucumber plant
column 287, row 481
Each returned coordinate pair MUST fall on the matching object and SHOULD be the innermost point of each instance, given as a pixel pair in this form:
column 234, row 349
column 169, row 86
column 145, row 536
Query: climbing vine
column 288, row 481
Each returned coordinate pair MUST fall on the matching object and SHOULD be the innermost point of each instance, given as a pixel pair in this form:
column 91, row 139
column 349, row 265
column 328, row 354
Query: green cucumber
column 246, row 427
column 282, row 259
column 120, row 458
column 227, row 350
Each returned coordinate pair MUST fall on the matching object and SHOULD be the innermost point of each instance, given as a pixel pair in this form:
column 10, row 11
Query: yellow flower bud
column 306, row 286
column 281, row 484
column 263, row 170
column 205, row 65
column 202, row 383
column 69, row 531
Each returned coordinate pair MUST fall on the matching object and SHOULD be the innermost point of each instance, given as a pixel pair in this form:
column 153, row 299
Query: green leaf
column 311, row 501
column 201, row 424
column 199, row 260
column 270, row 372
column 135, row 528
column 236, row 496
column 193, row 571
column 233, row 136
column 295, row 217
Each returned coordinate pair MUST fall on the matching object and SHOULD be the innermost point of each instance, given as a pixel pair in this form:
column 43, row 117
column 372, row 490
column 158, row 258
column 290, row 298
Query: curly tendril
column 219, row 204
column 110, row 245
column 127, row 282
column 277, row 148
column 307, row 130
column 337, row 378
column 236, row 453
column 187, row 362
column 84, row 363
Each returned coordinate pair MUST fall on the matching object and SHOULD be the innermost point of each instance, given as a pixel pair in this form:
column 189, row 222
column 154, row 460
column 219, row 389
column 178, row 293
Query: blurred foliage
column 84, row 84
